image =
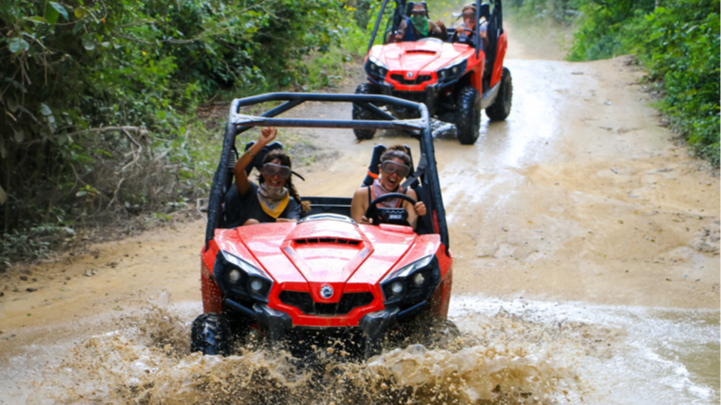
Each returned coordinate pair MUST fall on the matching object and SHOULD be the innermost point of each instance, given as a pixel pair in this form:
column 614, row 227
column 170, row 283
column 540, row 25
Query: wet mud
column 586, row 271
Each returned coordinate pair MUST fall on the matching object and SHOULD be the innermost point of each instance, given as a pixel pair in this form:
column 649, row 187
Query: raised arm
column 267, row 135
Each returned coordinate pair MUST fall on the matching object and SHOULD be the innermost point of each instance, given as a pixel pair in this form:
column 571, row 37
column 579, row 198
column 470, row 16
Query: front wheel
column 501, row 107
column 360, row 113
column 468, row 115
column 210, row 335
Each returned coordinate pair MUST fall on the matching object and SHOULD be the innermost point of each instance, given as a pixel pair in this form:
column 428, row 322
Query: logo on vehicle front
column 326, row 291
column 409, row 75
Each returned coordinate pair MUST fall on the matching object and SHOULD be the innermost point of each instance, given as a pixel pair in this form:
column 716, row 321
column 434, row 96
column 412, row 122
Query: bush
column 677, row 41
column 98, row 98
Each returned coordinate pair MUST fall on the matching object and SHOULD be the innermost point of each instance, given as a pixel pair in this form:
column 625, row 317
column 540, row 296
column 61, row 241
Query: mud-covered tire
column 210, row 335
column 501, row 107
column 360, row 113
column 468, row 116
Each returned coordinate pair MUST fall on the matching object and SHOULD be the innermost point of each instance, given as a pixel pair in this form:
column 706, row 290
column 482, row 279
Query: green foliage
column 677, row 40
column 98, row 99
column 601, row 32
column 536, row 11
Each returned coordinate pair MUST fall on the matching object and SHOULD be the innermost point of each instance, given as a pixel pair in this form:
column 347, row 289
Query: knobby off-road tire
column 210, row 335
column 501, row 107
column 468, row 116
column 360, row 113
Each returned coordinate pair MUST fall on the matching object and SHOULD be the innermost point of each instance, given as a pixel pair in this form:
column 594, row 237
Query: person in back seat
column 394, row 167
column 418, row 26
column 275, row 199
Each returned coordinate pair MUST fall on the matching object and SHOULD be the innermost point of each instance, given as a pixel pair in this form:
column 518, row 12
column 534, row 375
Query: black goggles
column 391, row 167
column 271, row 169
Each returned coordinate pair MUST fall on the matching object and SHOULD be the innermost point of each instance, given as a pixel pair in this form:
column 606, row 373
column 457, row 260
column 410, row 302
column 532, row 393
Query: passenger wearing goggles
column 274, row 199
column 418, row 26
column 467, row 31
column 394, row 167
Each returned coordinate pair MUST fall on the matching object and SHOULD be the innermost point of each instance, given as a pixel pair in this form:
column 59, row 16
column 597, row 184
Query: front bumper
column 373, row 327
column 428, row 96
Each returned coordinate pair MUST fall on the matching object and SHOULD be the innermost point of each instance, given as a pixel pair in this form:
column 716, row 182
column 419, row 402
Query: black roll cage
column 400, row 8
column 238, row 123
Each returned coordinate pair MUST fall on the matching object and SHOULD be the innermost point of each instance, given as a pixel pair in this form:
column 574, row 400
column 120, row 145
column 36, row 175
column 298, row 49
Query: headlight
column 375, row 67
column 234, row 276
column 397, row 287
column 418, row 279
column 413, row 283
column 237, row 277
column 256, row 284
column 453, row 72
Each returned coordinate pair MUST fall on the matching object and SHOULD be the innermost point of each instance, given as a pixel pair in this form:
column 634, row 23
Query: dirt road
column 579, row 197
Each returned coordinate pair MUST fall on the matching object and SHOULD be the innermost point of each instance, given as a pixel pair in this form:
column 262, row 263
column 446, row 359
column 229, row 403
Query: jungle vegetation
column 98, row 102
column 677, row 41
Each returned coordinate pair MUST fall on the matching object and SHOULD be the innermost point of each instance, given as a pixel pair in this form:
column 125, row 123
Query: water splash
column 508, row 352
column 146, row 361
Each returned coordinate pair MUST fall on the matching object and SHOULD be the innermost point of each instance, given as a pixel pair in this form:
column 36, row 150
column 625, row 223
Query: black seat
column 409, row 8
column 486, row 11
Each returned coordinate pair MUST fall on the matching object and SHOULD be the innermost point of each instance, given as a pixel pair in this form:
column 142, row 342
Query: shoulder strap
column 417, row 174
column 370, row 190
column 403, row 191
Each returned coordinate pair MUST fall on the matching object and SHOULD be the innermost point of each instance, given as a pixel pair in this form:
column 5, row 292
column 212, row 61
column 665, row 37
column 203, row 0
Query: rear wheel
column 468, row 115
column 501, row 107
column 360, row 113
column 210, row 335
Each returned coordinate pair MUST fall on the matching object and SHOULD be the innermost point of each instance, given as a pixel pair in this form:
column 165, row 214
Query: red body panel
column 306, row 256
column 500, row 55
column 424, row 58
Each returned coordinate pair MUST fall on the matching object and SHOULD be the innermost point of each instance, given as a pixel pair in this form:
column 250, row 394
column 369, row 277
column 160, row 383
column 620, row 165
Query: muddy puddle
column 509, row 352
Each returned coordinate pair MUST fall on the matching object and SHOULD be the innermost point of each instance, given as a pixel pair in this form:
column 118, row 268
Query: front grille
column 304, row 302
column 418, row 80
column 339, row 241
column 417, row 96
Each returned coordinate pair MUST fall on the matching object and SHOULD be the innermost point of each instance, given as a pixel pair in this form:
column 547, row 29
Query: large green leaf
column 37, row 19
column 45, row 110
column 52, row 15
column 60, row 9
column 88, row 42
column 18, row 44
column 19, row 135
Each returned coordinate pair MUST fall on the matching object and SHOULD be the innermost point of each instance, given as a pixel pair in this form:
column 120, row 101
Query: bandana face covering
column 420, row 23
column 379, row 190
column 273, row 200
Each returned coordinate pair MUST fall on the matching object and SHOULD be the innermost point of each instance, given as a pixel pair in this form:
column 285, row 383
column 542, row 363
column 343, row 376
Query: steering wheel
column 393, row 216
column 457, row 36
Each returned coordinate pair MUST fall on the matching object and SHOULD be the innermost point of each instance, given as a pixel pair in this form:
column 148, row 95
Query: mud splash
column 498, row 359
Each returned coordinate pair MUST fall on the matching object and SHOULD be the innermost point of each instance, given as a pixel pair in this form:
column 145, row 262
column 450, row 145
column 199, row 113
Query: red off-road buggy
column 324, row 276
column 452, row 76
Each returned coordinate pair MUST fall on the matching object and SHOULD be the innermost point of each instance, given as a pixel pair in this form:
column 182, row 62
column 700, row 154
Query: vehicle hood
column 327, row 252
column 419, row 57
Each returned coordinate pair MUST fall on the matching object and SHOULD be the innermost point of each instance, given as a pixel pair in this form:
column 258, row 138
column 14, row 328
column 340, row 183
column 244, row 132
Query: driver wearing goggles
column 273, row 199
column 418, row 26
column 466, row 32
column 394, row 167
